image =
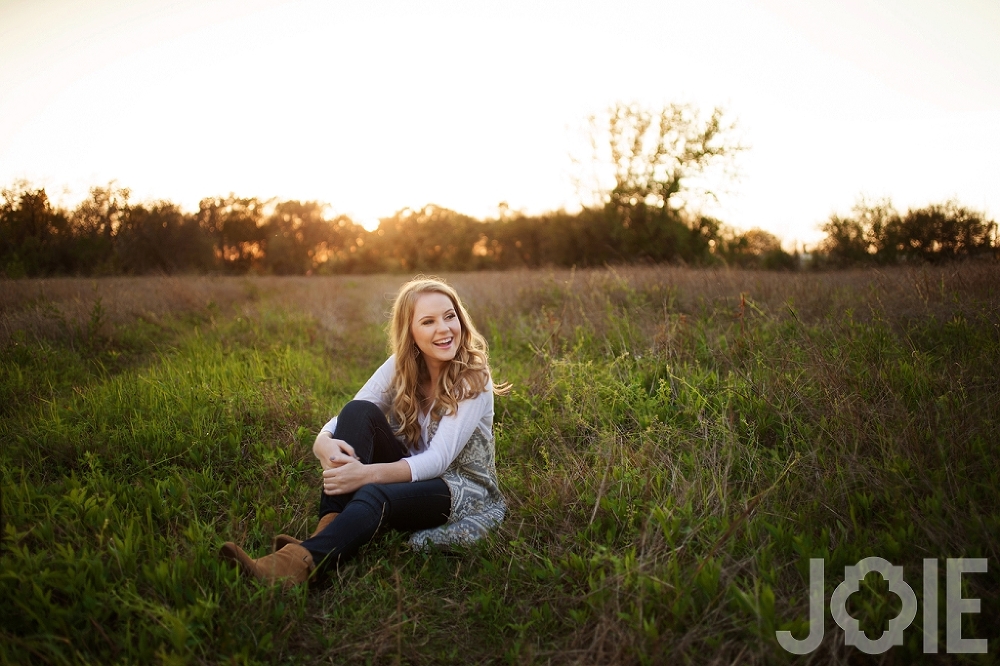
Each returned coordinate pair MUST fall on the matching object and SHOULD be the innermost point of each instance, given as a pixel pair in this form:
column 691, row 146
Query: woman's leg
column 363, row 425
column 402, row 506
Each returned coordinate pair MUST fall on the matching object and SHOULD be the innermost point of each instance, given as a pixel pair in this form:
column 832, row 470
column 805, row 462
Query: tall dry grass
column 52, row 307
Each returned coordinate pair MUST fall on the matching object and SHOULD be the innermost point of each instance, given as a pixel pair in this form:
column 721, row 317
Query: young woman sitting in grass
column 413, row 450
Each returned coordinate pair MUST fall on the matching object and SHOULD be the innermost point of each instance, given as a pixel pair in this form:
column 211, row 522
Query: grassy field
column 677, row 446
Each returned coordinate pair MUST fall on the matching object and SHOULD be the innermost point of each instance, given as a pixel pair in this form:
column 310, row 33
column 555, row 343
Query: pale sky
column 377, row 105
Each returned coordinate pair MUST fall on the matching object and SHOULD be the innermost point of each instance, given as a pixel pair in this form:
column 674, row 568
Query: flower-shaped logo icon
column 853, row 575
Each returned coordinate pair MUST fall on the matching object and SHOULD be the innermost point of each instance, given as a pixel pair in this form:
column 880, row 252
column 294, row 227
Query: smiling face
column 436, row 328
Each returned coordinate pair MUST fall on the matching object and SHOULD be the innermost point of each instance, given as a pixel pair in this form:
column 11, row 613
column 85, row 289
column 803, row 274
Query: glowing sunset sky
column 373, row 106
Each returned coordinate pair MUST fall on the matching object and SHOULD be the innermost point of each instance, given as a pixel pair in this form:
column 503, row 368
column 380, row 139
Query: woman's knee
column 357, row 410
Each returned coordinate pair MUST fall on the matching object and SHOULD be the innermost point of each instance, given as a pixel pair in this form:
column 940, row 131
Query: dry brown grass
column 44, row 307
column 898, row 292
column 55, row 308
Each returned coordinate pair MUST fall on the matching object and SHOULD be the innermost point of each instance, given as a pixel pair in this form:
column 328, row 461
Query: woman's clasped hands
column 347, row 477
column 342, row 471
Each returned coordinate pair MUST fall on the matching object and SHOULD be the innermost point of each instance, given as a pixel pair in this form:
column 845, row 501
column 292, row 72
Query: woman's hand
column 345, row 477
column 332, row 452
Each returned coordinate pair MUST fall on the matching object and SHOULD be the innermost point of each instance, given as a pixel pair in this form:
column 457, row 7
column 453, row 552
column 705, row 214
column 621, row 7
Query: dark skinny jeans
column 406, row 506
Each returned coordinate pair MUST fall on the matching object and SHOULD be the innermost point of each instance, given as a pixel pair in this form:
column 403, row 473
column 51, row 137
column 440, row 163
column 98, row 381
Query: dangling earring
column 416, row 351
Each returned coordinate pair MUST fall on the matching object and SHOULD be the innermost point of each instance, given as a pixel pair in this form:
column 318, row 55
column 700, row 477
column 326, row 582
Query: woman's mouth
column 444, row 344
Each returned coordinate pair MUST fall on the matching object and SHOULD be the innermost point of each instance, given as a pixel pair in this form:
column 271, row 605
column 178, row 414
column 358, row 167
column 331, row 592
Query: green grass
column 677, row 446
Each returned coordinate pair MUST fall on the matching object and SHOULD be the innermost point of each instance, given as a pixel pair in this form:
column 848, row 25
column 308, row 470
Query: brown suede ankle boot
column 283, row 540
column 290, row 566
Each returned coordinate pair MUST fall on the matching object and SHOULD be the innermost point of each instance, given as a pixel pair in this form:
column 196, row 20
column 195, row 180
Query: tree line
column 876, row 233
column 647, row 164
column 109, row 234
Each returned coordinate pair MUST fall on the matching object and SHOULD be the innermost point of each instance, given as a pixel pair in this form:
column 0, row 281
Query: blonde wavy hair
column 465, row 376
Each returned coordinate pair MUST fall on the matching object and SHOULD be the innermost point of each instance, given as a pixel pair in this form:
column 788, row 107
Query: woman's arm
column 375, row 390
column 452, row 434
column 351, row 475
column 347, row 474
column 334, row 452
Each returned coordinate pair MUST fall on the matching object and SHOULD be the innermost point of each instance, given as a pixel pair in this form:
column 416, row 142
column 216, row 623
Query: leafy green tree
column 342, row 251
column 882, row 231
column 300, row 240
column 756, row 248
column 159, row 238
column 877, row 233
column 431, row 238
column 946, row 231
column 846, row 241
column 236, row 227
column 96, row 222
column 518, row 242
column 291, row 235
column 34, row 237
column 587, row 238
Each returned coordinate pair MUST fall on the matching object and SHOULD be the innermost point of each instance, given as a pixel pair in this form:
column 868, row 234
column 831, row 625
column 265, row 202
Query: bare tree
column 649, row 164
column 650, row 155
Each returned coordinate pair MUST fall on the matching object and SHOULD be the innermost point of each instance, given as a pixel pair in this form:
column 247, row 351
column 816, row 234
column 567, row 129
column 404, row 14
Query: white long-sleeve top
column 433, row 453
